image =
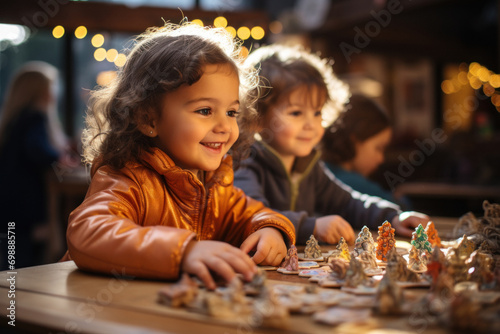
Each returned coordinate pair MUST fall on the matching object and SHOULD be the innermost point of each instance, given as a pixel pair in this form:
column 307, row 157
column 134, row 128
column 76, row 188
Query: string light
column 476, row 76
column 58, row 31
column 100, row 54
column 97, row 40
column 231, row 30
column 111, row 55
column 220, row 22
column 198, row 22
column 257, row 33
column 243, row 32
column 80, row 32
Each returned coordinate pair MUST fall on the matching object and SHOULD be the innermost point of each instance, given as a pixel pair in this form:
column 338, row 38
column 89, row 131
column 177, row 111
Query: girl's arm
column 110, row 232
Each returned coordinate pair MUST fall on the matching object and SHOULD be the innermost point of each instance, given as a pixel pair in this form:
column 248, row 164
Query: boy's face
column 370, row 153
column 293, row 126
column 197, row 125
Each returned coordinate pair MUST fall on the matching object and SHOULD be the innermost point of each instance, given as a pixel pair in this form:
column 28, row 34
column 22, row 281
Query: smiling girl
column 162, row 200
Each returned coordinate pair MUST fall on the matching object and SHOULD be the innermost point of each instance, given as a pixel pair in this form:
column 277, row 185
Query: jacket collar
column 164, row 165
column 270, row 157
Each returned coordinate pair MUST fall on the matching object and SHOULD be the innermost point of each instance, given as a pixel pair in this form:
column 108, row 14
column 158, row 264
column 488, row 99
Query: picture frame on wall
column 414, row 100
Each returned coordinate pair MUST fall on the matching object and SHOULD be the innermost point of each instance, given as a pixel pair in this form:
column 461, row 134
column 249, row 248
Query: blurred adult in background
column 354, row 146
column 32, row 144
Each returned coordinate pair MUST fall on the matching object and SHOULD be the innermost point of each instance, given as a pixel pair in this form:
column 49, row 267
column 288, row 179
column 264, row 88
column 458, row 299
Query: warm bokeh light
column 100, row 54
column 58, row 31
column 97, row 40
column 276, row 27
column 488, row 90
column 483, row 74
column 243, row 33
column 104, row 78
column 495, row 99
column 474, row 68
column 447, row 87
column 198, row 22
column 462, row 78
column 120, row 60
column 220, row 22
column 111, row 55
column 80, row 32
column 231, row 30
column 495, row 80
column 244, row 52
column 475, row 83
column 257, row 33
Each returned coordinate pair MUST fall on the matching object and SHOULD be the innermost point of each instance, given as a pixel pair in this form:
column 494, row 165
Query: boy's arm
column 245, row 215
column 247, row 179
column 104, row 233
column 335, row 197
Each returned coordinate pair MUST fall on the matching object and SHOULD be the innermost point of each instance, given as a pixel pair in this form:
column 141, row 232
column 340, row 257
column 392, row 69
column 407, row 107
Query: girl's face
column 293, row 126
column 370, row 153
column 197, row 125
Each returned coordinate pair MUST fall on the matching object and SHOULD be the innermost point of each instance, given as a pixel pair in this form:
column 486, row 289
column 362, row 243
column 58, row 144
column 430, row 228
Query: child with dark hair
column 301, row 96
column 161, row 200
column 354, row 145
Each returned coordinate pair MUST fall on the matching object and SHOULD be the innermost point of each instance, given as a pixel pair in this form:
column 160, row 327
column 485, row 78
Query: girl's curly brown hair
column 162, row 60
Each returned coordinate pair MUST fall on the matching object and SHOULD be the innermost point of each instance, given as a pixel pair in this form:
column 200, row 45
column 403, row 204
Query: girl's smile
column 197, row 125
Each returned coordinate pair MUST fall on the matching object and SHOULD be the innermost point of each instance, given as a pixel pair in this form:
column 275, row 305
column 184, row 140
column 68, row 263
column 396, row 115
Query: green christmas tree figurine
column 419, row 240
column 385, row 240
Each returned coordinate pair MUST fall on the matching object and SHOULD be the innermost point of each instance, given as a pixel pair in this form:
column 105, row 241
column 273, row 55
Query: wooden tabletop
column 58, row 298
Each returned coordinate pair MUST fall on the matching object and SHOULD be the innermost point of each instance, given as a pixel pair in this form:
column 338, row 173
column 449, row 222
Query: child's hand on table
column 406, row 222
column 269, row 246
column 202, row 256
column 330, row 228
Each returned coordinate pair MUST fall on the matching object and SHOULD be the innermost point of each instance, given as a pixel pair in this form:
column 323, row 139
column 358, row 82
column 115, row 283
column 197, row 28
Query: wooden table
column 59, row 298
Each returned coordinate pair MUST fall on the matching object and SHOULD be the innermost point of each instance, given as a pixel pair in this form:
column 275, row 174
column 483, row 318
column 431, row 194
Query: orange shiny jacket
column 138, row 220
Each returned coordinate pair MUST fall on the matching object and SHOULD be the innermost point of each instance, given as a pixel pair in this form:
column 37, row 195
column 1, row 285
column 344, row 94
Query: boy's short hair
column 282, row 69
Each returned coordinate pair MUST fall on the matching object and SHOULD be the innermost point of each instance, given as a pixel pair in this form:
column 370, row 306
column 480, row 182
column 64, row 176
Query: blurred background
column 434, row 64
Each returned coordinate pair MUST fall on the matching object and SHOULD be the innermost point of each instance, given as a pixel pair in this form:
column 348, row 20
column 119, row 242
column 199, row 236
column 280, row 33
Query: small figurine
column 336, row 278
column 180, row 294
column 436, row 264
column 419, row 240
column 415, row 260
column 364, row 242
column 312, row 250
column 343, row 249
column 465, row 247
column 355, row 275
column 456, row 266
column 389, row 297
column 385, row 240
column 432, row 234
column 480, row 270
column 339, row 268
column 291, row 262
column 397, row 268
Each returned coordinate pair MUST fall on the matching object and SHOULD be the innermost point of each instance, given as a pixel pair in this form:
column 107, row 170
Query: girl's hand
column 201, row 257
column 330, row 228
column 407, row 221
column 269, row 245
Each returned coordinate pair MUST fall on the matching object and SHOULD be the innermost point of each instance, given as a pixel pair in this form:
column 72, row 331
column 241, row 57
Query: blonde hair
column 31, row 84
column 162, row 60
column 284, row 68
